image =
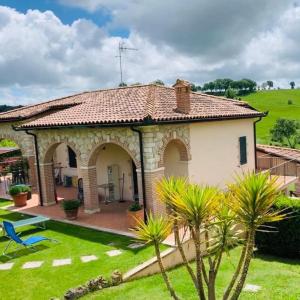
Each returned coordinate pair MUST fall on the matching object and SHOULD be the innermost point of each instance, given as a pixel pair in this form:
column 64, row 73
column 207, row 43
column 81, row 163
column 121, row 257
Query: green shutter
column 243, row 150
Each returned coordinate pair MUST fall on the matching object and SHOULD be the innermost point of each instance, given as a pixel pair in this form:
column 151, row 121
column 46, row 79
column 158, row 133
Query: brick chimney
column 183, row 91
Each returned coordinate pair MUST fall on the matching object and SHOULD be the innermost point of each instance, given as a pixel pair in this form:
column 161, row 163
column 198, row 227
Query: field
column 276, row 102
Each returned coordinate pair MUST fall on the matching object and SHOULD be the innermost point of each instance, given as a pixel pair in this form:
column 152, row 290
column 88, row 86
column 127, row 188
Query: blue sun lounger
column 11, row 234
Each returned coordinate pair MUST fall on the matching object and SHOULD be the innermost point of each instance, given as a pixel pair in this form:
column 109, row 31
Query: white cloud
column 40, row 57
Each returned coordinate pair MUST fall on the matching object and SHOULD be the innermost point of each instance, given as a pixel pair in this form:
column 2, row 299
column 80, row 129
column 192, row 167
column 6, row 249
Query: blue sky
column 67, row 14
column 55, row 48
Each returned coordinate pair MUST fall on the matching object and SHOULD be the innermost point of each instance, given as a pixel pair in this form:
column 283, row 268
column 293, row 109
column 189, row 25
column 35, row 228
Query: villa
column 117, row 142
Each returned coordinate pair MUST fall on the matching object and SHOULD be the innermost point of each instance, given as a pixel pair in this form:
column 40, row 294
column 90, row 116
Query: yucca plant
column 156, row 231
column 224, row 235
column 167, row 189
column 197, row 206
column 252, row 201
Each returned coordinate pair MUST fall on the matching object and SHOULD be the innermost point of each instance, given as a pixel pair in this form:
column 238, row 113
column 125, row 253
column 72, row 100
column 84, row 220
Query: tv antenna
column 122, row 49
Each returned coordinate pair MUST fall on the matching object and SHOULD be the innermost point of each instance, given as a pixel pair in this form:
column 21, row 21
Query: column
column 32, row 171
column 48, row 184
column 153, row 203
column 90, row 189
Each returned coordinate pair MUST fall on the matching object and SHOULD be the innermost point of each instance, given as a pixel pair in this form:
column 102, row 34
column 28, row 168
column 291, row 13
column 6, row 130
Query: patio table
column 39, row 221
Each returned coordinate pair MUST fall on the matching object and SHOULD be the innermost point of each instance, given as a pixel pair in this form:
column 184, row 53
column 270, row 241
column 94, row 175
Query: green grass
column 5, row 202
column 276, row 102
column 279, row 279
column 74, row 241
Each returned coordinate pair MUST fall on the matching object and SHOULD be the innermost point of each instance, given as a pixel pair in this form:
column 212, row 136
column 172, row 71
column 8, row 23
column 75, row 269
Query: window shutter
column 72, row 158
column 243, row 150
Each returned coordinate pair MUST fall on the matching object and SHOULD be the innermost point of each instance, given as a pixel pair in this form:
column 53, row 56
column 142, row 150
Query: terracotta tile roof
column 286, row 153
column 133, row 104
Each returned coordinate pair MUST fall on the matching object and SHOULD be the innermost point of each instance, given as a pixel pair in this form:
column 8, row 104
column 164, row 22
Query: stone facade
column 86, row 144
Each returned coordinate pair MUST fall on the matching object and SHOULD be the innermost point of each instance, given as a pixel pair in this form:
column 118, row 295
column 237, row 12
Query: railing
column 278, row 166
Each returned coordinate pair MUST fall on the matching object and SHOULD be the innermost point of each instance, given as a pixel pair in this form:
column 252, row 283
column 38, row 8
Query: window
column 72, row 158
column 243, row 150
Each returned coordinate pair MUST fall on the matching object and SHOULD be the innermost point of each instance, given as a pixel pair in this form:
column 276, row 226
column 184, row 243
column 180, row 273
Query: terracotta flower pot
column 72, row 214
column 20, row 199
column 133, row 215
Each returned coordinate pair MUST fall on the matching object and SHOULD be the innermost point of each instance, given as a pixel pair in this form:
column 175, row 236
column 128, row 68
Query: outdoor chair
column 12, row 235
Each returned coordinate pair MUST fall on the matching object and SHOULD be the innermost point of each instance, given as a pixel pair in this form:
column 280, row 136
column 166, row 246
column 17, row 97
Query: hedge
column 285, row 241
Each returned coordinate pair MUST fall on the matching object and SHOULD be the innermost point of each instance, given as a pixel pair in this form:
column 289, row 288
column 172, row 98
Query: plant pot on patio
column 19, row 194
column 135, row 212
column 70, row 208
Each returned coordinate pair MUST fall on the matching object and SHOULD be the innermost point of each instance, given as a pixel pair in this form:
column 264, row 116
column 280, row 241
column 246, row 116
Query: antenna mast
column 123, row 48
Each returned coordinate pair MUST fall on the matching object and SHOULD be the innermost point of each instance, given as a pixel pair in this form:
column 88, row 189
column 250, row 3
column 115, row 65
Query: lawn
column 5, row 202
column 279, row 279
column 276, row 102
column 74, row 241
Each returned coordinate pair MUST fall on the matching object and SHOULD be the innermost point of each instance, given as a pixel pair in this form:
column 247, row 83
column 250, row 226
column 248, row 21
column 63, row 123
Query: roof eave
column 144, row 122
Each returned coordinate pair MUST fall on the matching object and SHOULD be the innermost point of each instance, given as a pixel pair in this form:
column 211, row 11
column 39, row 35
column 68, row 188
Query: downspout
column 142, row 169
column 37, row 165
column 254, row 132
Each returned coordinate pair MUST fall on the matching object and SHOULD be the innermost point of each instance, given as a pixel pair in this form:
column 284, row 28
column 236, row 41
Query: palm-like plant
column 252, row 201
column 197, row 205
column 167, row 189
column 156, row 231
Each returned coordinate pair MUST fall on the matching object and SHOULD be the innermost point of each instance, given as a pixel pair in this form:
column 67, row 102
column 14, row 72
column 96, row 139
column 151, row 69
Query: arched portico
column 55, row 165
column 111, row 175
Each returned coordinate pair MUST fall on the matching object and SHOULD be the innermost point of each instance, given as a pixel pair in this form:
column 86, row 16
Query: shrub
column 17, row 189
column 285, row 241
column 290, row 102
column 70, row 204
column 135, row 206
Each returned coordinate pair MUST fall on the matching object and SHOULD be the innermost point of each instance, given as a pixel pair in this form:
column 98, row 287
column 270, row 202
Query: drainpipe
column 37, row 165
column 254, row 132
column 142, row 169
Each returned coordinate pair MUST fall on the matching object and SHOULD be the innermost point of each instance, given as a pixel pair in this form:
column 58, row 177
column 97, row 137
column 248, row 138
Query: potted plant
column 19, row 194
column 71, row 208
column 135, row 212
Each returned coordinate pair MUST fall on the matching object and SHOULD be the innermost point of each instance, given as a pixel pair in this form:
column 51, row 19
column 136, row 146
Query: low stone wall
column 170, row 257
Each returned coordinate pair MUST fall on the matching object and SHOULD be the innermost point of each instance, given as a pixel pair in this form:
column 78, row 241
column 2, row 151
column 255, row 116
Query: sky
column 54, row 48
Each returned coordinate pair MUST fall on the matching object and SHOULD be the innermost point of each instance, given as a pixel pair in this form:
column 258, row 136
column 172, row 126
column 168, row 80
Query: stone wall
column 23, row 140
column 25, row 143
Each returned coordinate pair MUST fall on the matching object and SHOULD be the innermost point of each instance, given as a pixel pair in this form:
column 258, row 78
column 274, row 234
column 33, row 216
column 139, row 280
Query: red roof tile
column 128, row 105
column 286, row 153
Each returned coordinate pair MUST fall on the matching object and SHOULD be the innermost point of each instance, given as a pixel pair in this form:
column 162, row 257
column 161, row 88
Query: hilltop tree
column 292, row 84
column 158, row 82
column 230, row 93
column 270, row 83
column 193, row 87
column 227, row 83
column 286, row 130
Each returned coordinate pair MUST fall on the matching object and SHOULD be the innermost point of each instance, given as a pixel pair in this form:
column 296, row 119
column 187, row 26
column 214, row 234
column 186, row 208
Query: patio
column 111, row 218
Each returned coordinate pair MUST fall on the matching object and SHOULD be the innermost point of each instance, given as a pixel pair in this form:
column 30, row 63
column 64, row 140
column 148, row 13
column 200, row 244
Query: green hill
column 276, row 102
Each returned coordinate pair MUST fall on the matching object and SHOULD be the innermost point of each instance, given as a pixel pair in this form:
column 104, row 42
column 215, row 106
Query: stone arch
column 184, row 149
column 91, row 161
column 49, row 151
column 49, row 191
column 15, row 139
